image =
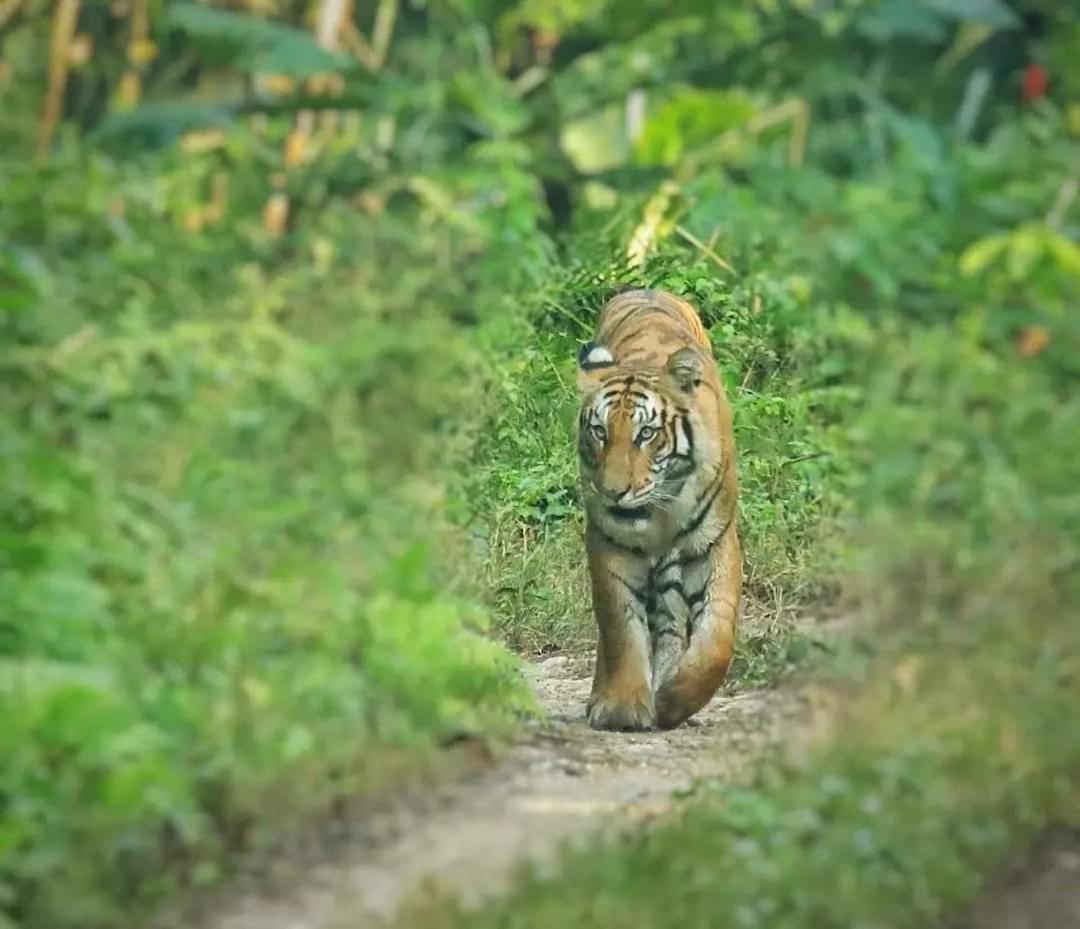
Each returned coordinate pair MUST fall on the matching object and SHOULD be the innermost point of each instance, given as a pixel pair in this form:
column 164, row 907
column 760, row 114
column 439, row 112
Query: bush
column 222, row 474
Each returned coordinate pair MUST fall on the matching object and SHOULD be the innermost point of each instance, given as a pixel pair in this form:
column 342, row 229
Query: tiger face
column 635, row 431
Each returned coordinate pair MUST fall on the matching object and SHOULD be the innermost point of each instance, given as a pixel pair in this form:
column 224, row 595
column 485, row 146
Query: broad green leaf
column 1026, row 247
column 982, row 253
column 689, row 118
column 266, row 47
column 18, row 288
column 989, row 12
column 919, row 135
column 895, row 19
column 163, row 121
column 1065, row 251
column 596, row 142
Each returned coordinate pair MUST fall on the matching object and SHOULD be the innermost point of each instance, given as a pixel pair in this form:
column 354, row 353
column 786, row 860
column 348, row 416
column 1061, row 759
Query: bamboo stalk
column 64, row 22
column 327, row 31
column 355, row 43
column 8, row 9
column 383, row 30
column 331, row 16
column 648, row 231
column 138, row 52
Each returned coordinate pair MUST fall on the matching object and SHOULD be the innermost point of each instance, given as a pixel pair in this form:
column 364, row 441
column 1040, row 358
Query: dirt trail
column 559, row 781
column 1042, row 892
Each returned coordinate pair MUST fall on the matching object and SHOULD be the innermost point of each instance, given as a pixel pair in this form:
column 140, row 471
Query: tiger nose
column 615, row 494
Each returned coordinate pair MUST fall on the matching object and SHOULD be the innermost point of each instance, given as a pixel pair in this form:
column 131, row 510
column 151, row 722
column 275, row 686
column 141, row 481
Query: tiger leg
column 621, row 695
column 705, row 663
column 669, row 623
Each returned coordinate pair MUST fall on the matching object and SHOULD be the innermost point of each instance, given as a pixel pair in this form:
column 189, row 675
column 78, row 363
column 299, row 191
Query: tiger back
column 658, row 473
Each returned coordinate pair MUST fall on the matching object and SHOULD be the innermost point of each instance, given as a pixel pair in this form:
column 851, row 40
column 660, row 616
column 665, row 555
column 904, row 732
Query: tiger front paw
column 620, row 715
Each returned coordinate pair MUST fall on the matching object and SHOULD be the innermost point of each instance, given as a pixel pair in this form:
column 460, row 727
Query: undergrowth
column 262, row 464
column 228, row 583
column 952, row 499
column 522, row 486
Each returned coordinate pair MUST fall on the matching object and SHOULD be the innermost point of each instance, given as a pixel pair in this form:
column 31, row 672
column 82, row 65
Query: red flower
column 1035, row 80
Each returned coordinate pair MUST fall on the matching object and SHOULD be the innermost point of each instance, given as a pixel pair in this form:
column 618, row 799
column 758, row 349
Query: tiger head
column 636, row 436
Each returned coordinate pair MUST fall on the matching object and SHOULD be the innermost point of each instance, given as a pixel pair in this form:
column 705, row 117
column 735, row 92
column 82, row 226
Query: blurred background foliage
column 289, row 298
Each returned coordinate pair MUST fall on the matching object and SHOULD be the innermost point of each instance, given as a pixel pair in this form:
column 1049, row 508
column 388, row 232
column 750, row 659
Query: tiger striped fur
column 658, row 476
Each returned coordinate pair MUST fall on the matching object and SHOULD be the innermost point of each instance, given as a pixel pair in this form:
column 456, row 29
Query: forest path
column 558, row 781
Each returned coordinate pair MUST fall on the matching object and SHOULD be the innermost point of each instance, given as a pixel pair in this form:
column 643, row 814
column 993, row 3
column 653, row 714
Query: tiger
column 660, row 493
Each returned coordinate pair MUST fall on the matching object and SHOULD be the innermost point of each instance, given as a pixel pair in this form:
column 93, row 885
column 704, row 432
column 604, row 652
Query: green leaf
column 689, row 118
column 920, row 137
column 163, row 122
column 596, row 142
column 1065, row 251
column 989, row 12
column 263, row 46
column 18, row 290
column 895, row 19
column 1026, row 247
column 982, row 253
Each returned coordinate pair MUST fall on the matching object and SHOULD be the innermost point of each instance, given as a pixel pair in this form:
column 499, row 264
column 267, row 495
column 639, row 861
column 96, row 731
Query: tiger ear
column 594, row 362
column 684, row 367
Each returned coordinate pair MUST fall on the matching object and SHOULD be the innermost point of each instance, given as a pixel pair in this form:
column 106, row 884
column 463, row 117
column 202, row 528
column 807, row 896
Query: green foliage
column 254, row 45
column 952, row 458
column 690, row 117
column 928, row 19
column 938, row 771
column 221, row 483
column 254, row 484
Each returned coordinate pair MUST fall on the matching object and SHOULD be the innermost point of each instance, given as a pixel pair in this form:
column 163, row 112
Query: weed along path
column 558, row 781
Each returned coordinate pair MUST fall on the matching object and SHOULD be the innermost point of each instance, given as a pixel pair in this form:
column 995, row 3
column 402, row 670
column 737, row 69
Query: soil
column 1040, row 892
column 558, row 782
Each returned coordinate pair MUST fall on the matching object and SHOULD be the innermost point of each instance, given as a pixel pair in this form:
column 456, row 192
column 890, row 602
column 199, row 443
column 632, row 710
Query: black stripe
column 680, row 478
column 669, row 586
column 665, row 614
column 642, row 596
column 668, row 630
column 703, row 510
column 630, row 515
column 689, row 430
column 633, row 313
column 694, row 599
column 678, row 474
column 692, row 559
column 633, row 549
column 699, row 518
column 667, row 565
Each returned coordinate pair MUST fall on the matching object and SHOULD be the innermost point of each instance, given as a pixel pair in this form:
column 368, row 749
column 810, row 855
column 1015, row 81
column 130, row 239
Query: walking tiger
column 657, row 458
